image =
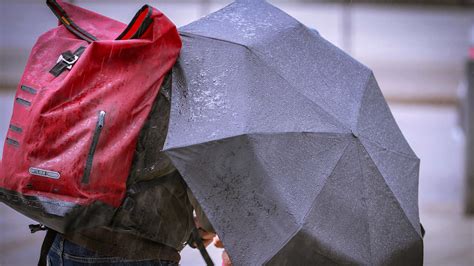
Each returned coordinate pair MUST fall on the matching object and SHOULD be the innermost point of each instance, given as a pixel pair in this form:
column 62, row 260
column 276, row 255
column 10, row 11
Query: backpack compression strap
column 66, row 60
column 68, row 23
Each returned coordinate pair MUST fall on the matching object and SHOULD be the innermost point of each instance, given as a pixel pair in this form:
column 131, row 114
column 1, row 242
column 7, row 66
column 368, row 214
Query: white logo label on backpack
column 44, row 173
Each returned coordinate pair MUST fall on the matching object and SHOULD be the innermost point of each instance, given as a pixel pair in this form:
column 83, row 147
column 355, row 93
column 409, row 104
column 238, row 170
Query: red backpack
column 80, row 105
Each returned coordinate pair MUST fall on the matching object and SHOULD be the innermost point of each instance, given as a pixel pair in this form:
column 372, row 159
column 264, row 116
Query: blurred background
column 419, row 51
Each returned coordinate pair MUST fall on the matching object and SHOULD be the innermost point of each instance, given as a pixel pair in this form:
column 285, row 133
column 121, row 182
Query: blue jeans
column 66, row 253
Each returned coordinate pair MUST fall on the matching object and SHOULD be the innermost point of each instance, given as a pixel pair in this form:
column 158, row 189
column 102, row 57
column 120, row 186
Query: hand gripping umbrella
column 289, row 145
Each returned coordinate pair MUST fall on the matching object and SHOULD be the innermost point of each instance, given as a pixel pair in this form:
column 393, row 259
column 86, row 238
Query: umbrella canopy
column 289, row 145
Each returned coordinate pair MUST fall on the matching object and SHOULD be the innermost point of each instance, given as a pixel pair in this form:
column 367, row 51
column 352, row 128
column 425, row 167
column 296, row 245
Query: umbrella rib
column 297, row 91
column 341, row 138
column 329, row 134
column 323, row 80
column 317, row 251
column 370, row 74
column 187, row 34
column 394, row 195
column 312, row 206
column 387, row 149
column 366, row 207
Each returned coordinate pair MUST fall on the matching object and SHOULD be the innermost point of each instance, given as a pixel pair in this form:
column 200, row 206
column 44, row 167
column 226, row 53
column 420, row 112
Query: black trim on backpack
column 143, row 27
column 63, row 17
column 61, row 216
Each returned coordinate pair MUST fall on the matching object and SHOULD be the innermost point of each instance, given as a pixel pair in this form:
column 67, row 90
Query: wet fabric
column 80, row 106
column 97, row 109
column 156, row 218
column 289, row 145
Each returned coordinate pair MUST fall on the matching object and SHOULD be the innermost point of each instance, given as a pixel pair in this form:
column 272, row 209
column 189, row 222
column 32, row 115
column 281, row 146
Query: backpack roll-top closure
column 135, row 29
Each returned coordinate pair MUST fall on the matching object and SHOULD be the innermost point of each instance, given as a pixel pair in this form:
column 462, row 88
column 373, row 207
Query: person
column 156, row 218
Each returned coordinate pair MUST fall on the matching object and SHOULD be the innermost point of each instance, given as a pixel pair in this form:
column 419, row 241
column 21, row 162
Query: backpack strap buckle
column 68, row 62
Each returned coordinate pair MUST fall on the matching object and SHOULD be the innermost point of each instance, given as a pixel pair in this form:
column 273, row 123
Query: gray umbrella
column 289, row 145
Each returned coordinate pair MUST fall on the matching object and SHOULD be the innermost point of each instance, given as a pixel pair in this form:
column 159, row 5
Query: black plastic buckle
column 37, row 227
column 66, row 60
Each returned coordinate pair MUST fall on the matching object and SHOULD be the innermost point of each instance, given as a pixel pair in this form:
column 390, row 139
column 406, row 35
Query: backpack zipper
column 95, row 140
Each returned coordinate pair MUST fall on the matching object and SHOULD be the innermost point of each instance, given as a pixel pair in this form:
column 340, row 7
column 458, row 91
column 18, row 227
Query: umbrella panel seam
column 338, row 122
column 366, row 89
column 311, row 208
column 394, row 195
column 192, row 35
column 370, row 74
column 336, row 135
column 341, row 124
column 390, row 150
column 366, row 195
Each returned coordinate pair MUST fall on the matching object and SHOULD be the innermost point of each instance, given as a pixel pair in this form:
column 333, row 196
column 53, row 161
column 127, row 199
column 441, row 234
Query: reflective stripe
column 44, row 173
column 23, row 102
column 28, row 89
column 16, row 128
column 13, row 142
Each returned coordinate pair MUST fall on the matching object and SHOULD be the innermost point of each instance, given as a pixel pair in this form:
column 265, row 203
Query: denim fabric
column 66, row 253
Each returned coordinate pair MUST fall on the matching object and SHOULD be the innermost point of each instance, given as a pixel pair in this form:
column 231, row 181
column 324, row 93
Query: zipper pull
column 101, row 119
column 95, row 140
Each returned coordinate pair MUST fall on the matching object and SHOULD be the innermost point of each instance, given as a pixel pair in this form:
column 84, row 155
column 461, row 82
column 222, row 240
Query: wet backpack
column 87, row 89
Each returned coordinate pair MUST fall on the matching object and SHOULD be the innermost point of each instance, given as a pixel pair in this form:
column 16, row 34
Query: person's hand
column 225, row 257
column 207, row 237
column 217, row 242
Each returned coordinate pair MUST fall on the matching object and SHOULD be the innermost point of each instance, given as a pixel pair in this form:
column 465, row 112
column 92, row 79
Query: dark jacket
column 156, row 217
